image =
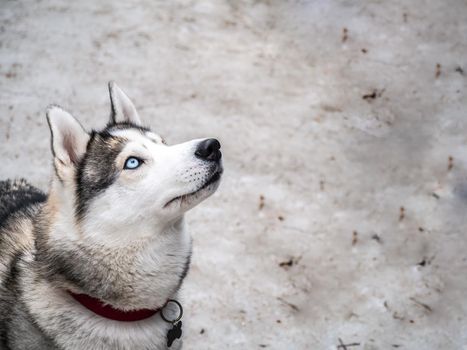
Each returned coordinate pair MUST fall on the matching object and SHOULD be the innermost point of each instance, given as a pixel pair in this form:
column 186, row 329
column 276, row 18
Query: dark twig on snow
column 345, row 34
column 289, row 304
column 373, row 95
column 354, row 237
column 261, row 202
column 419, row 303
column 438, row 70
column 459, row 70
column 450, row 163
column 345, row 346
column 401, row 213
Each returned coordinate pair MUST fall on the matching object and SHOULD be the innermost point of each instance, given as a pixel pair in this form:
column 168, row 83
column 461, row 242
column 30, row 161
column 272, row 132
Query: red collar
column 107, row 311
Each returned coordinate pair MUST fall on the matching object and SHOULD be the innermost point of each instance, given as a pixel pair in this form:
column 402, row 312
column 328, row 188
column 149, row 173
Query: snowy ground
column 346, row 133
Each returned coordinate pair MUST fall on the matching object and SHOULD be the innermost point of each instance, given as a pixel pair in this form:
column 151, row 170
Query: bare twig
column 450, row 163
column 401, row 213
column 345, row 34
column 261, row 202
column 354, row 237
column 419, row 303
column 289, row 304
column 438, row 70
column 345, row 346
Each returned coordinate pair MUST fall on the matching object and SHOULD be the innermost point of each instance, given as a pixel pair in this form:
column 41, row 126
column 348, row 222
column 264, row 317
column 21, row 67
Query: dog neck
column 142, row 275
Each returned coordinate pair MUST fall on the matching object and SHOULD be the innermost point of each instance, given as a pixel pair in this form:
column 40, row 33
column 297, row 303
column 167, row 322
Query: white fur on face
column 143, row 198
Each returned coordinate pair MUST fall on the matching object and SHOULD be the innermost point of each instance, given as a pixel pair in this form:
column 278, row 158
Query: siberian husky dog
column 97, row 262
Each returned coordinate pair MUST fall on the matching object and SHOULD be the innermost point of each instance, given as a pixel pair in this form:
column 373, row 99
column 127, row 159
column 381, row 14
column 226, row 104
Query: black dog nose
column 209, row 150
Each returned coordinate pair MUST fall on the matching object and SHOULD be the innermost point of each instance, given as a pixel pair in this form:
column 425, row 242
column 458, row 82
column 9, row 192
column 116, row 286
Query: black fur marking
column 185, row 270
column 17, row 195
column 50, row 127
column 97, row 169
column 10, row 284
column 113, row 113
column 56, row 173
column 10, row 281
column 4, row 342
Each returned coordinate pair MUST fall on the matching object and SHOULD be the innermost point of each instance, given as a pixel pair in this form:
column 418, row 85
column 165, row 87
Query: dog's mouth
column 215, row 177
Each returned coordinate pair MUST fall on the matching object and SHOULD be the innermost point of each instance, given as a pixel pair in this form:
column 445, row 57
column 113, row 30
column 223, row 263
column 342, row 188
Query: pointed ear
column 122, row 109
column 69, row 139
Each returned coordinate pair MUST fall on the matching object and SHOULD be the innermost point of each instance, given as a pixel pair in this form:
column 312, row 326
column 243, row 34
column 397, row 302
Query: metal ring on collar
column 179, row 308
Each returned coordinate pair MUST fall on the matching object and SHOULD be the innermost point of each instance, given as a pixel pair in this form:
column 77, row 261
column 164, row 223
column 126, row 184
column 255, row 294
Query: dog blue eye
column 132, row 163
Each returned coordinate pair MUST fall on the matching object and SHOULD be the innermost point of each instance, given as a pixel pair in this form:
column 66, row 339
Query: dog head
column 124, row 181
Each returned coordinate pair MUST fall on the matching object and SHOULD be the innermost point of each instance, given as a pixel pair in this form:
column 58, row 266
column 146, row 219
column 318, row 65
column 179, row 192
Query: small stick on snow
column 450, row 163
column 401, row 214
column 419, row 303
column 344, row 346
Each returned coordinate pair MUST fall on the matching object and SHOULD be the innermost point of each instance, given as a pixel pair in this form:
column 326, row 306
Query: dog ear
column 69, row 139
column 122, row 109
